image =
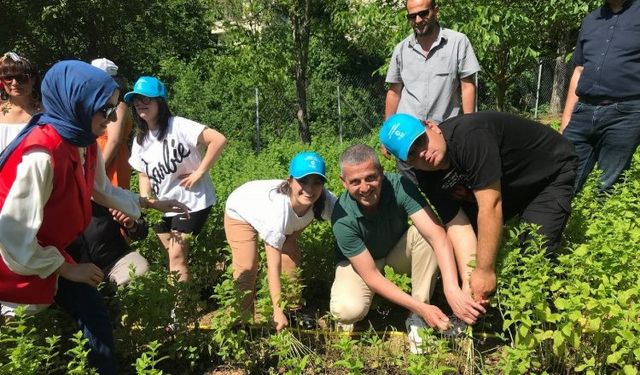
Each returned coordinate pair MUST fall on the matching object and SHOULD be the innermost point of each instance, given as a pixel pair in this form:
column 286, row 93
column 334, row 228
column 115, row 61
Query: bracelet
column 144, row 202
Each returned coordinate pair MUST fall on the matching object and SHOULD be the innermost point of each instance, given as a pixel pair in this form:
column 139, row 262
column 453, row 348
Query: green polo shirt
column 380, row 232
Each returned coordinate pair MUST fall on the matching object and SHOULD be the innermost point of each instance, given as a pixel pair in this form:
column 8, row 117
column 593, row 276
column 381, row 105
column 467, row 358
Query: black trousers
column 550, row 209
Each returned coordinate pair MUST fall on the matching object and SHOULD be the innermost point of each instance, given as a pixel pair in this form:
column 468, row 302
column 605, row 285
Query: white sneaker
column 414, row 324
column 341, row 327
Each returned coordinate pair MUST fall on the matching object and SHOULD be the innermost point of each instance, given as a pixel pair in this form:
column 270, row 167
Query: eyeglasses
column 20, row 78
column 423, row 14
column 108, row 111
column 142, row 98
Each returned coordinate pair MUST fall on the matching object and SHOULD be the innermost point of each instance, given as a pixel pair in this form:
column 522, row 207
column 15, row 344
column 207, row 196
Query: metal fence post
column 535, row 112
column 257, row 122
column 339, row 111
column 475, row 109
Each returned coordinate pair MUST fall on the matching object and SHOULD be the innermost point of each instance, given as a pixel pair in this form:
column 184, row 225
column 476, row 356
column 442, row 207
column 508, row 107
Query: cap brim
column 308, row 174
column 128, row 97
column 405, row 152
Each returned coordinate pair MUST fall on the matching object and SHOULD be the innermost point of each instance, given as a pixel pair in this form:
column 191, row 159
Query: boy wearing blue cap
column 481, row 169
column 276, row 211
column 370, row 225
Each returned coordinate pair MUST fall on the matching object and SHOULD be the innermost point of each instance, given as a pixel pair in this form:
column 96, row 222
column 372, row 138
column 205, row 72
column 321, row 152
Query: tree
column 562, row 33
column 263, row 23
column 510, row 37
column 301, row 27
column 136, row 35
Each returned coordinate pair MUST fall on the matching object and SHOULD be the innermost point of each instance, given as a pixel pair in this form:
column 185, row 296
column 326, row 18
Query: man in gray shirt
column 431, row 73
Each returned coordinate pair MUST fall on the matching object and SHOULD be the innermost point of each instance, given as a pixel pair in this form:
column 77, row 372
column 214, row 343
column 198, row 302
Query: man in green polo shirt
column 370, row 223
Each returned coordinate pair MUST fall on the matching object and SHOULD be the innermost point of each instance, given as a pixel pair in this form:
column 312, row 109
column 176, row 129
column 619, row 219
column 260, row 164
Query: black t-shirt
column 483, row 147
column 102, row 242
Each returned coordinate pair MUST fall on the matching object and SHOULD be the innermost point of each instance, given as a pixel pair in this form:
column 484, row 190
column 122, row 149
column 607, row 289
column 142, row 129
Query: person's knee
column 141, row 266
column 177, row 256
column 245, row 278
column 348, row 311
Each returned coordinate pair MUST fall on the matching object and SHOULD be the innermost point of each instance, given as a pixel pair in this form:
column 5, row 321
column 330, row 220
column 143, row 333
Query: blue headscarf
column 72, row 92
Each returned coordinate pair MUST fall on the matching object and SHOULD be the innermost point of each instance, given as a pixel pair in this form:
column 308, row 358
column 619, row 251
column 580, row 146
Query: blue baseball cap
column 399, row 132
column 150, row 87
column 306, row 163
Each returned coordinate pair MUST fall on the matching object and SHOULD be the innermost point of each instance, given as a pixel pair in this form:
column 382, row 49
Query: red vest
column 66, row 214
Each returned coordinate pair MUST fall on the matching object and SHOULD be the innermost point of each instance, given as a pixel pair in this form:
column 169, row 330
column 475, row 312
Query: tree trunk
column 301, row 28
column 560, row 78
column 501, row 93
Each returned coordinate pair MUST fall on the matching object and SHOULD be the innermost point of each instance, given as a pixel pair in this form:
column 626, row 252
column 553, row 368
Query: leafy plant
column 79, row 356
column 23, row 350
column 148, row 361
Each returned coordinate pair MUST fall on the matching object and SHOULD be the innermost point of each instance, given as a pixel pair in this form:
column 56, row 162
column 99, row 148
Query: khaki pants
column 119, row 273
column 243, row 241
column 412, row 255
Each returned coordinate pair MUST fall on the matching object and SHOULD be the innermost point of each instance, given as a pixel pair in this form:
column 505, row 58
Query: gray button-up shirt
column 431, row 85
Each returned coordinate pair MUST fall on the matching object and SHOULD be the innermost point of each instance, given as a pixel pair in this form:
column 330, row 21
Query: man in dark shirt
column 480, row 169
column 602, row 112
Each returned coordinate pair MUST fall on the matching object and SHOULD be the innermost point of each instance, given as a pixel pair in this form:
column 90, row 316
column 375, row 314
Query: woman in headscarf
column 48, row 175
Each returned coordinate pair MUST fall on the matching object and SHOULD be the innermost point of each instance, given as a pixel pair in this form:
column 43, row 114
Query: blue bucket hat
column 306, row 163
column 399, row 132
column 150, row 87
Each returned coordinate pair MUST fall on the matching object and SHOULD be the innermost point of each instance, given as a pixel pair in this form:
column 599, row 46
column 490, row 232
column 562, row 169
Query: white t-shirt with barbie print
column 270, row 213
column 166, row 162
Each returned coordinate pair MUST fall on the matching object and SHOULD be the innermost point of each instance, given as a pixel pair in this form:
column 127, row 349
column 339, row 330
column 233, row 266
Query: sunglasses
column 423, row 14
column 20, row 78
column 108, row 111
column 142, row 98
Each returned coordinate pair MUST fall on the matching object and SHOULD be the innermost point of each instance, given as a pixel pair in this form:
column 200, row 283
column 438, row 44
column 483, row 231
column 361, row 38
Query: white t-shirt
column 269, row 212
column 8, row 132
column 166, row 162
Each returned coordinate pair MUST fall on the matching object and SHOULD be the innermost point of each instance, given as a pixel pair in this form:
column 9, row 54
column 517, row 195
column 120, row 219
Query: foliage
column 23, row 350
column 136, row 35
column 79, row 356
column 509, row 37
column 577, row 314
column 147, row 362
column 401, row 280
column 292, row 354
column 573, row 315
column 580, row 314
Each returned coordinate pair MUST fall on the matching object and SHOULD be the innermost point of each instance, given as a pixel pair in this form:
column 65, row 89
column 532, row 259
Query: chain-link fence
column 351, row 107
column 538, row 92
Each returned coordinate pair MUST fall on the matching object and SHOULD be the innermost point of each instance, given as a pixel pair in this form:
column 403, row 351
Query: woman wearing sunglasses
column 166, row 153
column 48, row 175
column 276, row 211
column 18, row 96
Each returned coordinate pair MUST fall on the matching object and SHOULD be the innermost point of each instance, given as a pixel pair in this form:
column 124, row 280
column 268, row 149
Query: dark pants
column 607, row 134
column 550, row 209
column 86, row 306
